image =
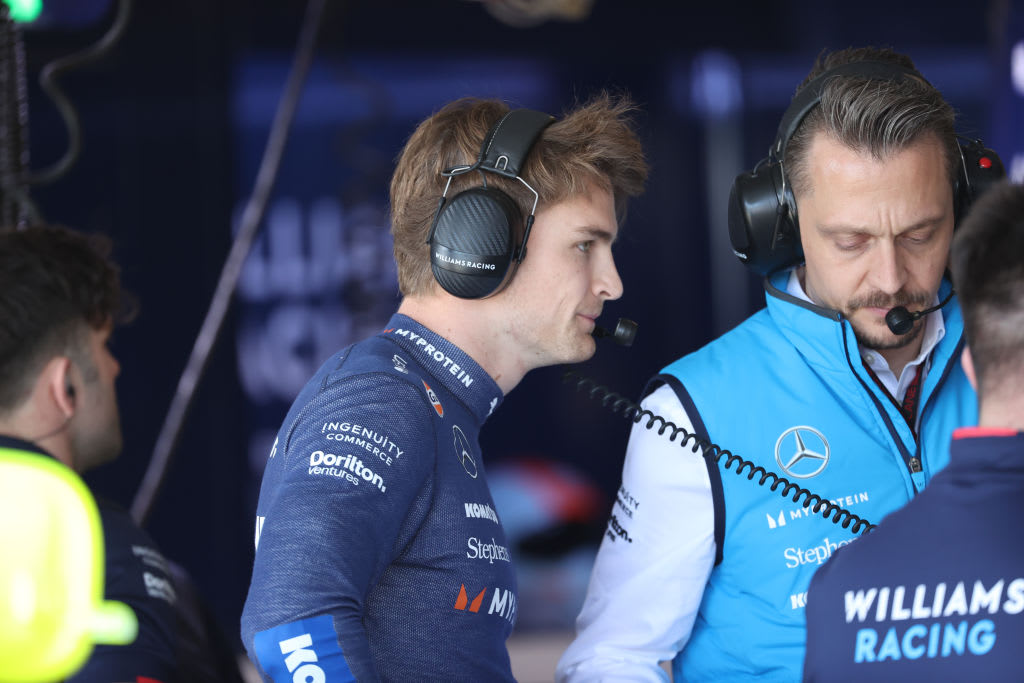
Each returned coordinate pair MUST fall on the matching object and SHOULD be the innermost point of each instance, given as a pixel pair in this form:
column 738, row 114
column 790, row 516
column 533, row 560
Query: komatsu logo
column 481, row 511
column 299, row 659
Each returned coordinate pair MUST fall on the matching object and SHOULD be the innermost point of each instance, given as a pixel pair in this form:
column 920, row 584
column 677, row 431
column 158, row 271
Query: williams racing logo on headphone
column 802, row 452
column 434, row 400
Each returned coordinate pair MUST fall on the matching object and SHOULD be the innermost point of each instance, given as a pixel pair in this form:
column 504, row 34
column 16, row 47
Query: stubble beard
column 886, row 340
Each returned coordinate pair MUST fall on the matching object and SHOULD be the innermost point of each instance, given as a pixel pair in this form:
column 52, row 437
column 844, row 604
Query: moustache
column 883, row 300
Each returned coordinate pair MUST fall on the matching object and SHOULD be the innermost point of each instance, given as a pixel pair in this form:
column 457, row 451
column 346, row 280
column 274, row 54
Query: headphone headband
column 808, row 97
column 509, row 141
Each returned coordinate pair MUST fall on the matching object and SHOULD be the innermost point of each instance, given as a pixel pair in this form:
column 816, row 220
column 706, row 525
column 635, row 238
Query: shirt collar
column 16, row 444
column 934, row 331
column 452, row 367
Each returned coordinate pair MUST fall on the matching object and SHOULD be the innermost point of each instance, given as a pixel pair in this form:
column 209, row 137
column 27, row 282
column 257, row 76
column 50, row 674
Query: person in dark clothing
column 60, row 298
column 379, row 554
column 936, row 591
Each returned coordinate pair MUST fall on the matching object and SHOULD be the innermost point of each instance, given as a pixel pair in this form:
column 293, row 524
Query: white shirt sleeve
column 654, row 561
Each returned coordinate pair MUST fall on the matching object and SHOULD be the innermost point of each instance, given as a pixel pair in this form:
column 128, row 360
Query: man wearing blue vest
column 936, row 592
column 850, row 217
column 379, row 553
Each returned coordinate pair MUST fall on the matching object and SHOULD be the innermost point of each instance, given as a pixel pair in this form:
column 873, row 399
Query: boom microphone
column 901, row 321
column 624, row 334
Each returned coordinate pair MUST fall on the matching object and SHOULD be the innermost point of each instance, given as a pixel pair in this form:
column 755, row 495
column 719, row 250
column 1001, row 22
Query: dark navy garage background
column 174, row 124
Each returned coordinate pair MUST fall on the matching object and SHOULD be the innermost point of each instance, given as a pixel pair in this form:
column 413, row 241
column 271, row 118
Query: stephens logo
column 481, row 550
column 344, row 467
column 434, row 400
column 797, row 557
column 463, row 452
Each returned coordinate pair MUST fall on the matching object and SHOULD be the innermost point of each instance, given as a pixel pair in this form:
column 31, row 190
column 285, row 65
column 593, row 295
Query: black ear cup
column 982, row 168
column 763, row 222
column 471, row 251
column 762, row 216
column 473, row 241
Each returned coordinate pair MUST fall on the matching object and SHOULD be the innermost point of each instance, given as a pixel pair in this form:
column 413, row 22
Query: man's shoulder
column 744, row 344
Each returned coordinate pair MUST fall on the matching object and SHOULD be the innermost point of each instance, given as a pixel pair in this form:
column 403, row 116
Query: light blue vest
column 790, row 382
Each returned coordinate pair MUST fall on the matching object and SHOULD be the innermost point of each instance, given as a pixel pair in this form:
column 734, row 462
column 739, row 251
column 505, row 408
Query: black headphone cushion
column 758, row 238
column 982, row 168
column 472, row 247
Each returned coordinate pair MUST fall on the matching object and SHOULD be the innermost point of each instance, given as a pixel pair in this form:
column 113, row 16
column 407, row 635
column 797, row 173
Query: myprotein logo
column 802, row 452
column 463, row 451
column 434, row 400
column 503, row 602
column 300, row 658
column 439, row 356
column 784, row 516
column 347, row 467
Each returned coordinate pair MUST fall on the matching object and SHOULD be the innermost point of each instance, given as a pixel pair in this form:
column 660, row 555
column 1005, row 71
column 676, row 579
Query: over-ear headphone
column 763, row 225
column 473, row 250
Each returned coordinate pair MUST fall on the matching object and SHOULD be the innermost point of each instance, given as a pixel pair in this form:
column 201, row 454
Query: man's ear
column 58, row 384
column 967, row 362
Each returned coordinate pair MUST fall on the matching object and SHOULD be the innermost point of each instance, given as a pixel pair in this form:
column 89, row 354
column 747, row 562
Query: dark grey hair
column 880, row 117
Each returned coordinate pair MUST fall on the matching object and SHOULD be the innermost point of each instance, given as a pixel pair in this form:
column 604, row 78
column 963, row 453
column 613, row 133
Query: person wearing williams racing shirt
column 936, row 592
column 379, row 552
column 709, row 569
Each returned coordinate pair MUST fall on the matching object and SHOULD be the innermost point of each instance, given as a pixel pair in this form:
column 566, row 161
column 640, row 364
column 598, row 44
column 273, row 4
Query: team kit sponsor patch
column 347, row 467
column 306, row 650
column 930, row 621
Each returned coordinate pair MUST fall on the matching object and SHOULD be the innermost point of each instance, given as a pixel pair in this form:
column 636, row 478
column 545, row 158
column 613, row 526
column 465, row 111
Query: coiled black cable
column 618, row 403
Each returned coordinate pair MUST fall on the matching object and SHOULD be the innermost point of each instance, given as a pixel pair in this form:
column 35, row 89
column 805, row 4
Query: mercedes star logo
column 463, row 452
column 807, row 452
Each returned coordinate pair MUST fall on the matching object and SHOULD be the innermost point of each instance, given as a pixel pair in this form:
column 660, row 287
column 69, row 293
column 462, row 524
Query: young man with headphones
column 850, row 219
column 936, row 591
column 60, row 297
column 379, row 554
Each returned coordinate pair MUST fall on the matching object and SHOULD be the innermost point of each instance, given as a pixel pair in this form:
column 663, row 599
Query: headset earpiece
column 473, row 247
column 980, row 169
column 763, row 224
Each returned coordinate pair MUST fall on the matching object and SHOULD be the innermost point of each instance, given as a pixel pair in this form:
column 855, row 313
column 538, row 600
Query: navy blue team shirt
column 379, row 554
column 936, row 591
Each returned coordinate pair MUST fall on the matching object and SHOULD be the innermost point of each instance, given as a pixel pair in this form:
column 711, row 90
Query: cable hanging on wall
column 252, row 217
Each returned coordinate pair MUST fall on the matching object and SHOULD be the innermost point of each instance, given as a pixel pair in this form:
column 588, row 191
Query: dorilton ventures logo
column 802, row 452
